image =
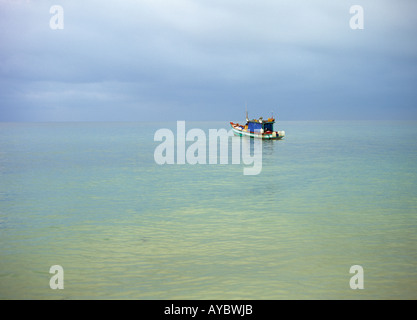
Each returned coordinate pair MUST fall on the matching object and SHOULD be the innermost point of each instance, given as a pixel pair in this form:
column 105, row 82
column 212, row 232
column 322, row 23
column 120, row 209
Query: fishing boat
column 257, row 128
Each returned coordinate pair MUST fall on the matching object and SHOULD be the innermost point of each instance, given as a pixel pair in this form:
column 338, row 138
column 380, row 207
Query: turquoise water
column 90, row 197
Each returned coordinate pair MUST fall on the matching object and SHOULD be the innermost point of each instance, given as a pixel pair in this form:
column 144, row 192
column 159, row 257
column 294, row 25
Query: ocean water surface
column 90, row 198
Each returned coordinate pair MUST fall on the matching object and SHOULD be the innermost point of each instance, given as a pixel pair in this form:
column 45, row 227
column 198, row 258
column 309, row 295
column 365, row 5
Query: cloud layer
column 202, row 60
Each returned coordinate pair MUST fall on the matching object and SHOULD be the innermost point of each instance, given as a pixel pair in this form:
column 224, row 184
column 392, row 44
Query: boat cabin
column 260, row 125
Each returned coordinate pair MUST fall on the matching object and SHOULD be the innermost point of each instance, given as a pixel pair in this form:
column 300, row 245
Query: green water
column 90, row 197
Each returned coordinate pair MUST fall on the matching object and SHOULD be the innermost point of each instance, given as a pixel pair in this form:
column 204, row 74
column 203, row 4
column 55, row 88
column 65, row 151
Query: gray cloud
column 198, row 60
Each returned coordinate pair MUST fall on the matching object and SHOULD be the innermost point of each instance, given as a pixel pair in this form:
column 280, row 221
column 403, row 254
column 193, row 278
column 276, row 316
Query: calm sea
column 90, row 198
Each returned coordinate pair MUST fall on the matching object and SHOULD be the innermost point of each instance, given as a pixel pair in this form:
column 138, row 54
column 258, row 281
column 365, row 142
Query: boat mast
column 246, row 108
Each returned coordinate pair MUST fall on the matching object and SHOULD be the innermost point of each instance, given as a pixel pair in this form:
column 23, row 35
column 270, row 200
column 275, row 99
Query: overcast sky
column 204, row 59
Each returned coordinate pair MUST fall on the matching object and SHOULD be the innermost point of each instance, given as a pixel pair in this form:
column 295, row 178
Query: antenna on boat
column 246, row 108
